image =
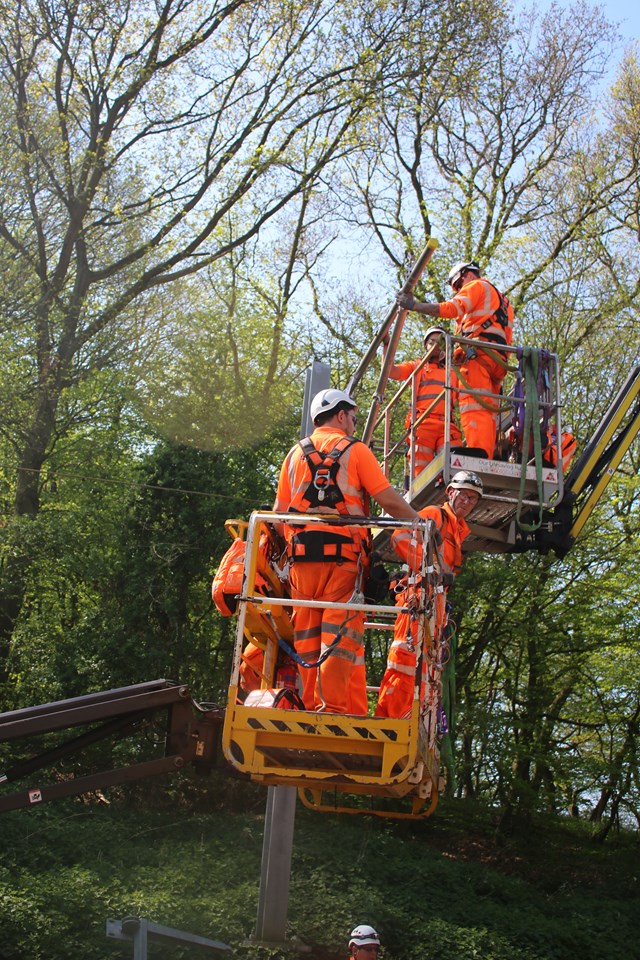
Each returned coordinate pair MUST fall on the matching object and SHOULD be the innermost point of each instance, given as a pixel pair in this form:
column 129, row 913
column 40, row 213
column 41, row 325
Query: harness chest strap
column 323, row 489
column 323, row 493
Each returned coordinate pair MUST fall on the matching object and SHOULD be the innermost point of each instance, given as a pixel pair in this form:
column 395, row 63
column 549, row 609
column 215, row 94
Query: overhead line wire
column 141, row 486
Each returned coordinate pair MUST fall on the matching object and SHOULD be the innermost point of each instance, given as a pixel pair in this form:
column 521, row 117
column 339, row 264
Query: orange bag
column 227, row 582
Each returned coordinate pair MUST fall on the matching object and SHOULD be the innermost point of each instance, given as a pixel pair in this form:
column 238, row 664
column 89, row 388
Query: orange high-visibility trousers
column 479, row 415
column 338, row 685
column 429, row 441
column 398, row 683
column 396, row 692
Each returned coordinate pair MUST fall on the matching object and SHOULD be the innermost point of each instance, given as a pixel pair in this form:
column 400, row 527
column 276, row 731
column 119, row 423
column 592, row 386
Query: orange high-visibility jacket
column 227, row 581
column 359, row 474
column 473, row 308
column 568, row 447
column 431, row 384
column 453, row 531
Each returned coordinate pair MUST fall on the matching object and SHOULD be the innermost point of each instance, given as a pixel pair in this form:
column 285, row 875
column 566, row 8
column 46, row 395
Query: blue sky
column 623, row 12
column 626, row 13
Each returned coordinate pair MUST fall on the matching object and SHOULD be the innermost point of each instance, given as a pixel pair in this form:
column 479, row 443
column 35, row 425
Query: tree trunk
column 15, row 568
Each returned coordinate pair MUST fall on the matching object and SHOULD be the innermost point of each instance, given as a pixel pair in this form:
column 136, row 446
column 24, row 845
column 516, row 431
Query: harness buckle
column 321, row 481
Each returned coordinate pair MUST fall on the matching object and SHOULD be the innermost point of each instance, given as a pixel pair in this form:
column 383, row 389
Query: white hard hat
column 328, row 400
column 456, row 272
column 433, row 336
column 466, row 480
column 363, row 934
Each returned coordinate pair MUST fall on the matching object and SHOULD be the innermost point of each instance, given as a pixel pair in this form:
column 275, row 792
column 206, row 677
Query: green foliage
column 441, row 890
column 131, row 600
column 549, row 690
column 232, row 371
column 178, row 279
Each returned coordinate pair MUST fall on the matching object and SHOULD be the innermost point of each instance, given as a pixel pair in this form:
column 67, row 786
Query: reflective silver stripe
column 469, row 405
column 423, row 448
column 335, row 629
column 309, row 655
column 307, row 634
column 401, row 668
column 340, row 652
column 407, row 644
column 401, row 535
column 472, row 321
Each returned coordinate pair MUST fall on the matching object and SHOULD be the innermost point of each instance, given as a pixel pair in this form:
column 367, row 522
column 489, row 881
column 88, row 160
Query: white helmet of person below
column 466, row 480
column 328, row 400
column 455, row 274
column 363, row 936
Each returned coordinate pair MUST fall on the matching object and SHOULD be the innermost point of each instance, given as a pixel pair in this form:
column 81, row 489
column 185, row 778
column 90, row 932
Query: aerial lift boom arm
column 189, row 736
column 592, row 473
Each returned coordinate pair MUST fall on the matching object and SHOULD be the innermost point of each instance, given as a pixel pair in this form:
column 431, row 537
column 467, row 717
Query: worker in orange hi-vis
column 483, row 314
column 463, row 493
column 431, row 395
column 331, row 472
column 549, row 444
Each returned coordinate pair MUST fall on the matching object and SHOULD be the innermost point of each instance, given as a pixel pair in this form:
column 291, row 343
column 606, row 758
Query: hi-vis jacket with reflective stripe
column 453, row 531
column 359, row 477
column 359, row 474
column 431, row 383
column 473, row 308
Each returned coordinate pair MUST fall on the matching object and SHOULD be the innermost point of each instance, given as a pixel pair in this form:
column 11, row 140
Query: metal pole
column 415, row 274
column 277, row 848
column 279, row 822
column 141, row 941
column 389, row 357
column 139, row 931
column 316, row 379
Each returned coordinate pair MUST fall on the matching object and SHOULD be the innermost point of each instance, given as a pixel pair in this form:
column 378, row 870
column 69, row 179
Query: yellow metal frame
column 582, row 472
column 314, row 799
column 329, row 754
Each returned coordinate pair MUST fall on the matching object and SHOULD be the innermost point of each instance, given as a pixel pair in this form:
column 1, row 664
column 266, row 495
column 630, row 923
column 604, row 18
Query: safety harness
column 323, row 493
column 499, row 321
column 501, row 316
column 323, row 489
column 313, row 545
column 482, row 337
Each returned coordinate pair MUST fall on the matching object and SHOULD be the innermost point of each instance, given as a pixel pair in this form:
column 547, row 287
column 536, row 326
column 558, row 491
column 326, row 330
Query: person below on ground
column 331, row 472
column 463, row 494
column 364, row 943
column 431, row 396
column 482, row 314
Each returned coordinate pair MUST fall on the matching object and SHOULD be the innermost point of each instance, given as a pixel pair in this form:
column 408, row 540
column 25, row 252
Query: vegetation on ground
column 448, row 888
column 195, row 202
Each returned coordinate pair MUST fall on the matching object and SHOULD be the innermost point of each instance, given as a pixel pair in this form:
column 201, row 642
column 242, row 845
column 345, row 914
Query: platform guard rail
column 327, row 755
column 516, row 486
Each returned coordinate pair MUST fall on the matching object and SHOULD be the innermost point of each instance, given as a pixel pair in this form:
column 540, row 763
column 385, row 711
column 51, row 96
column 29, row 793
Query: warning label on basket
column 499, row 468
